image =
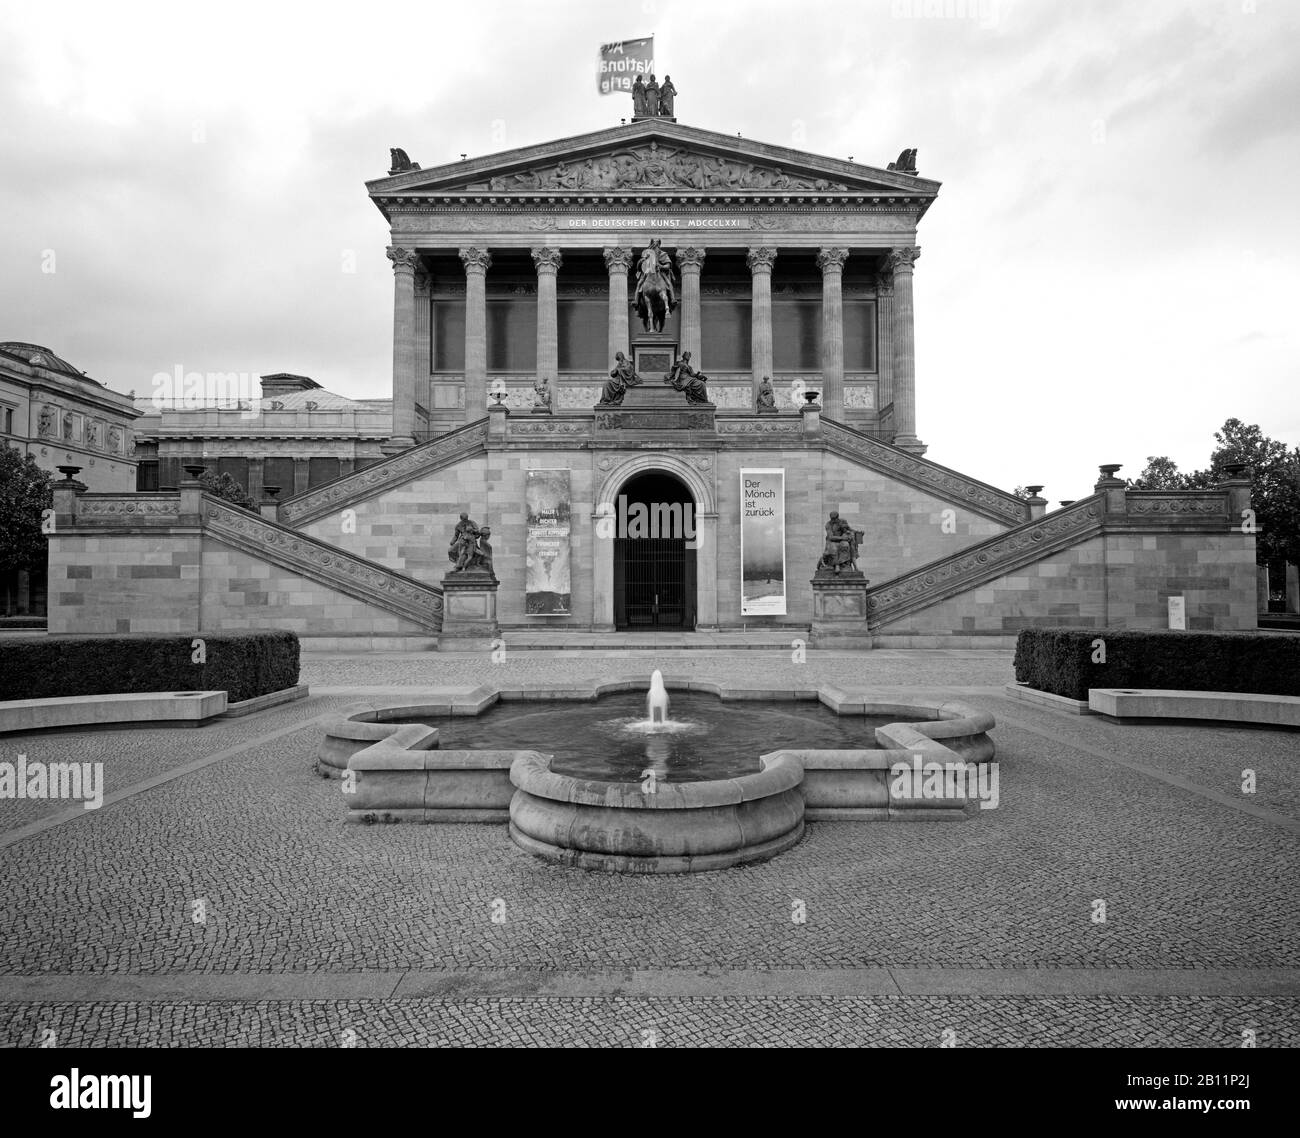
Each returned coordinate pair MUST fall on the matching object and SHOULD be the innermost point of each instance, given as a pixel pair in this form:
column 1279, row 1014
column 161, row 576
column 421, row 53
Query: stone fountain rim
column 781, row 771
column 395, row 746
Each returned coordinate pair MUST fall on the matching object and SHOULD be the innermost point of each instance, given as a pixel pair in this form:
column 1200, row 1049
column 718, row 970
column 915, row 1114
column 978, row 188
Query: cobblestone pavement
column 918, row 1021
column 1194, row 876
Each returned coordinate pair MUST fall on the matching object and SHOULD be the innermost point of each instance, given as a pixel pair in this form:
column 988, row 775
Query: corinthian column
column 423, row 352
column 618, row 261
column 548, row 335
column 885, row 335
column 760, row 261
column 476, row 262
column 831, row 263
column 691, row 261
column 902, row 260
column 405, row 263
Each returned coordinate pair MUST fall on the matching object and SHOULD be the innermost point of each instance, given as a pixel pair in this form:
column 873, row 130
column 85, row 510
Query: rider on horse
column 656, row 295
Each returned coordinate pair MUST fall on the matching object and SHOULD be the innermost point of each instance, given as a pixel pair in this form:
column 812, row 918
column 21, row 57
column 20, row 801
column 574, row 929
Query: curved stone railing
column 979, row 497
column 994, row 557
column 391, row 472
column 326, row 564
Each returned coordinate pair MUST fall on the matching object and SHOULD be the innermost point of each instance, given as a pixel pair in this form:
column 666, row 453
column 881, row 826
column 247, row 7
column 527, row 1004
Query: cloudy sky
column 1109, row 272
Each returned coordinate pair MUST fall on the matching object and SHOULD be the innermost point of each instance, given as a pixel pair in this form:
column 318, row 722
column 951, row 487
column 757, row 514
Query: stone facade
column 746, row 222
column 62, row 417
column 356, row 544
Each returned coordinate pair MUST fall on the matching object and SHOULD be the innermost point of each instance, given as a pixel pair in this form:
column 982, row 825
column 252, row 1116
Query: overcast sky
column 1110, row 269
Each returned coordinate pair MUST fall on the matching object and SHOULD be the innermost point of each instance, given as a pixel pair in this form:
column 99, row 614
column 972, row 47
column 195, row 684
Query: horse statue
column 655, row 295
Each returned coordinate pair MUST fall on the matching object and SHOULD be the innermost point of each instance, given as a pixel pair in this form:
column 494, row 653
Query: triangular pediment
column 652, row 157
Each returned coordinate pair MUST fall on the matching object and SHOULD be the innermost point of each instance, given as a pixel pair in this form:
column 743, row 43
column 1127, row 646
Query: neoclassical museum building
column 761, row 301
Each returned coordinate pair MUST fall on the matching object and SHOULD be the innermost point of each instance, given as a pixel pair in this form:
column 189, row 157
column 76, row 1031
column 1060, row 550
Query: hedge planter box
column 1069, row 662
column 245, row 665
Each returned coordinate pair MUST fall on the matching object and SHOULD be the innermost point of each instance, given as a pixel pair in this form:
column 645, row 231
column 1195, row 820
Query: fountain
column 657, row 700
column 615, row 784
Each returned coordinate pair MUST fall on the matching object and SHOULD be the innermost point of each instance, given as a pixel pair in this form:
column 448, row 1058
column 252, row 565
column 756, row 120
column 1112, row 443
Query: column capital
column 903, row 258
column 546, row 259
column 617, row 259
column 831, row 260
column 691, row 257
column 423, row 281
column 885, row 282
column 475, row 260
column 760, row 259
column 404, row 260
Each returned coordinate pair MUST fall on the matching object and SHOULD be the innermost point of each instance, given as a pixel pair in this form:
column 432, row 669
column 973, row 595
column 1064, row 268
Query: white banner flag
column 618, row 64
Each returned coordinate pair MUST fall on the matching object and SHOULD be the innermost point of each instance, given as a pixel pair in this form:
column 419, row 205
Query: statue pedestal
column 541, row 409
column 840, row 611
column 656, row 407
column 469, row 612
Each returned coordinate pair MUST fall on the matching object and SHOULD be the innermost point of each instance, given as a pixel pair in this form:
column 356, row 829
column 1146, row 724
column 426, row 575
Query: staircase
column 414, row 462
column 977, row 564
column 325, row 564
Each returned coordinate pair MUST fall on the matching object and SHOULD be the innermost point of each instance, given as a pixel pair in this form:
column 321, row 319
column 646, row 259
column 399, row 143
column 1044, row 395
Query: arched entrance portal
column 655, row 548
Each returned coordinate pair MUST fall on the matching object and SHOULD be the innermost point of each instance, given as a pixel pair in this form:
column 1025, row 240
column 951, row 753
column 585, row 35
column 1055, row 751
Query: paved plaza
column 976, row 933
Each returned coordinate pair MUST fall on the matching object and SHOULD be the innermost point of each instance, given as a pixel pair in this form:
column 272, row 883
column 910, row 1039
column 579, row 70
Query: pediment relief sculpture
column 656, row 167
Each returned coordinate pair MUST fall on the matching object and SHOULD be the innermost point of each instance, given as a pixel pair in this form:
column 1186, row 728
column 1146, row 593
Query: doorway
column 654, row 555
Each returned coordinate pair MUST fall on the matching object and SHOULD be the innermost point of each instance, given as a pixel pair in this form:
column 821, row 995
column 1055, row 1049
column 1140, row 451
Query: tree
column 226, row 488
column 1162, row 473
column 1275, row 496
column 24, row 494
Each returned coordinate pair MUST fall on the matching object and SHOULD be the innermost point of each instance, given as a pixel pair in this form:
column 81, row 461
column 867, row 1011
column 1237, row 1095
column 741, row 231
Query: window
column 583, row 329
column 511, row 334
column 860, row 335
column 796, row 334
column 8, row 420
column 279, row 472
column 724, row 334
column 449, row 335
column 320, row 470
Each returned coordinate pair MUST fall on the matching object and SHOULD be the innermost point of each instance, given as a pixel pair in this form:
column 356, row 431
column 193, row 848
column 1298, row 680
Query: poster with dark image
column 547, row 589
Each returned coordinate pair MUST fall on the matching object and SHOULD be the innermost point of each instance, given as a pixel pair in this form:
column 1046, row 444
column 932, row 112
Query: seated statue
column 686, row 379
column 464, row 541
column 620, row 379
column 840, row 552
column 481, row 556
column 542, row 394
column 766, row 396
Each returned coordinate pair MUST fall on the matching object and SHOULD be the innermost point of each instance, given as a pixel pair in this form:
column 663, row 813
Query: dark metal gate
column 654, row 583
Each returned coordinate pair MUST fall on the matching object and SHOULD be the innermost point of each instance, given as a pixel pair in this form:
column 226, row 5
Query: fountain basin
column 399, row 773
column 677, row 828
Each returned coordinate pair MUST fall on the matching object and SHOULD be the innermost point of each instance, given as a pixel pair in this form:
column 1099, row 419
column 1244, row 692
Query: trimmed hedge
column 242, row 664
column 1060, row 660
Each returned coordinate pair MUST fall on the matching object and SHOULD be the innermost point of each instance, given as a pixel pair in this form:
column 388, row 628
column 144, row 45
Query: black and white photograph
column 644, row 524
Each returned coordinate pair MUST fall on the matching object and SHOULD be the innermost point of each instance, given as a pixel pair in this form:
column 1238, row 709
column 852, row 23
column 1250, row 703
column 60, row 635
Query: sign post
column 1178, row 612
